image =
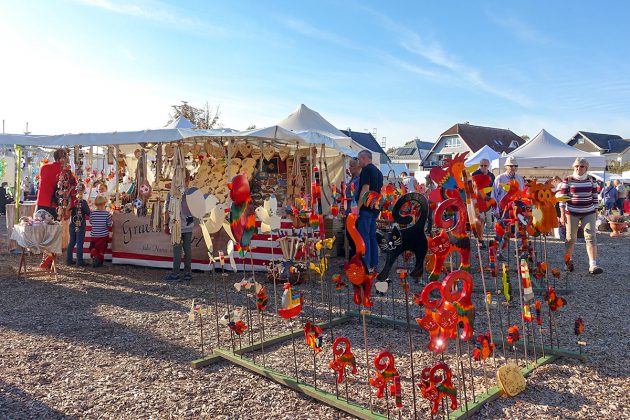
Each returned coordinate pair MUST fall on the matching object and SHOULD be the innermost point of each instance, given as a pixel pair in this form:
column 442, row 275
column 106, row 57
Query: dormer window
column 513, row 145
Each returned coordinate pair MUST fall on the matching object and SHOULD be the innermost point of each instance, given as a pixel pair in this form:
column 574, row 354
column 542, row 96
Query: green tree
column 203, row 118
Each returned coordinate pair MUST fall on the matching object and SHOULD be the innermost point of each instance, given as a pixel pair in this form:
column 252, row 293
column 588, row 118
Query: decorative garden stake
column 343, row 358
column 437, row 383
column 386, row 372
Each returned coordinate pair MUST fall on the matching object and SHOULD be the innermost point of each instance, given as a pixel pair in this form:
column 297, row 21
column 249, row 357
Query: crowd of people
column 579, row 196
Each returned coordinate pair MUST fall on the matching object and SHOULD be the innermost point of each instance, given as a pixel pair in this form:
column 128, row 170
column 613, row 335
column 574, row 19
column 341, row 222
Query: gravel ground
column 116, row 342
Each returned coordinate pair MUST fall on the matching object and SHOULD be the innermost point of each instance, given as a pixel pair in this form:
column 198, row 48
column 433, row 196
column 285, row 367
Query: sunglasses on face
column 579, row 166
column 512, row 166
column 484, row 166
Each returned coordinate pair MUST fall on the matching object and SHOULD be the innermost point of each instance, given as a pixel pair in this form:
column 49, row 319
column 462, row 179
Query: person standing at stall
column 621, row 195
column 76, row 228
column 48, row 178
column 578, row 206
column 3, row 198
column 187, row 223
column 352, row 189
column 101, row 220
column 371, row 179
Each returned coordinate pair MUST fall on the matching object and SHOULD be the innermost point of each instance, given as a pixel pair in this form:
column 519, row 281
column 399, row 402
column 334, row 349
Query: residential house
column 411, row 154
column 368, row 141
column 466, row 137
column 612, row 146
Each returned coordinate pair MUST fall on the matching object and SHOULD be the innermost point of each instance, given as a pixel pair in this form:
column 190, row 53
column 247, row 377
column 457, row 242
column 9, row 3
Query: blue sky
column 408, row 69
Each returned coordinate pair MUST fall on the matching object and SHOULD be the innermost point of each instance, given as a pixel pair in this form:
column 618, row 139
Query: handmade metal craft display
column 453, row 310
column 450, row 195
column 437, row 383
column 291, row 306
column 386, row 372
column 447, row 313
column 356, row 270
column 343, row 358
column 543, row 202
column 242, row 217
column 408, row 238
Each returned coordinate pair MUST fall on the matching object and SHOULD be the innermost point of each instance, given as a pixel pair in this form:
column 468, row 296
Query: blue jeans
column 76, row 238
column 366, row 225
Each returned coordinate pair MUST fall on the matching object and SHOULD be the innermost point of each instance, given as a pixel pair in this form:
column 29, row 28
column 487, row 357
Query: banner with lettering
column 135, row 242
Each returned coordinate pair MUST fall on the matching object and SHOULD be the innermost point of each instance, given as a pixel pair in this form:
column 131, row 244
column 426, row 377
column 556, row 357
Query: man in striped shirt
column 578, row 195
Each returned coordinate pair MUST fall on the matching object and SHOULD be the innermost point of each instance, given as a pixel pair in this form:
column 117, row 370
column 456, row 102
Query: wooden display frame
column 25, row 273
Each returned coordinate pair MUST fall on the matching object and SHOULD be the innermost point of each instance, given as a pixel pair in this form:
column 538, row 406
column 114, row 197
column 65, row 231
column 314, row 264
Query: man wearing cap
column 498, row 192
column 484, row 169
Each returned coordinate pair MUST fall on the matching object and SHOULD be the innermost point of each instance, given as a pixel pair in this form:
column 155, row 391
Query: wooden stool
column 23, row 271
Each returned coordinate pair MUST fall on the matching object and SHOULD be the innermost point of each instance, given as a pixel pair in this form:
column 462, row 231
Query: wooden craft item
column 256, row 153
column 245, row 149
column 196, row 149
column 196, row 202
column 510, row 379
column 169, row 150
column 283, row 153
column 268, row 152
column 185, row 149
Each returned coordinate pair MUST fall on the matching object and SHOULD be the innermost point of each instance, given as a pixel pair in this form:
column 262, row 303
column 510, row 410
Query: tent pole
column 18, row 181
column 117, row 183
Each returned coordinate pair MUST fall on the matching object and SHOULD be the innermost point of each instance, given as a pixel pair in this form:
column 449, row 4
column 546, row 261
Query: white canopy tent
column 112, row 138
column 608, row 176
column 486, row 152
column 180, row 122
column 547, row 152
column 311, row 126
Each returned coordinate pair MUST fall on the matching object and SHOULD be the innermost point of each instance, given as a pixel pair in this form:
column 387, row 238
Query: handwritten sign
column 135, row 241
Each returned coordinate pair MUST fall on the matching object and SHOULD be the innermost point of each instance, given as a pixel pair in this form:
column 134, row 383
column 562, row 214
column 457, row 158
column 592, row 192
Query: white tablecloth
column 38, row 238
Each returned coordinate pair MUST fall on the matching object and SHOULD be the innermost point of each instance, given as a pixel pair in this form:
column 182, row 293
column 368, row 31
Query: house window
column 452, row 142
column 580, row 140
column 513, row 145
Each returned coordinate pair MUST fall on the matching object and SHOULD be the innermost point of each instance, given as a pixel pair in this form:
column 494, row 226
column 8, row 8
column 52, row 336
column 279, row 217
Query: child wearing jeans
column 101, row 220
column 77, row 233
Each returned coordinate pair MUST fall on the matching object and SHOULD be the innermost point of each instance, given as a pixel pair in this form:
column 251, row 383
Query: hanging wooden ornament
column 268, row 152
column 196, row 149
column 208, row 148
column 284, row 153
column 245, row 149
column 185, row 148
column 169, row 150
column 256, row 153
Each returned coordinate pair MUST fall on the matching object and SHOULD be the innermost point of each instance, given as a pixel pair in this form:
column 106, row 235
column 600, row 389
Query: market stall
column 136, row 168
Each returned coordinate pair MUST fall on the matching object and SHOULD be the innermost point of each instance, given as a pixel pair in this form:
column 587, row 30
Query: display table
column 37, row 239
column 135, row 242
column 27, row 209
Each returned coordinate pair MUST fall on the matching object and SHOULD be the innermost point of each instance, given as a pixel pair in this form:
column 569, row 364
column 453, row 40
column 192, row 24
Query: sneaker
column 172, row 277
column 81, row 264
column 95, row 263
column 595, row 270
column 569, row 265
column 70, row 262
column 187, row 276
